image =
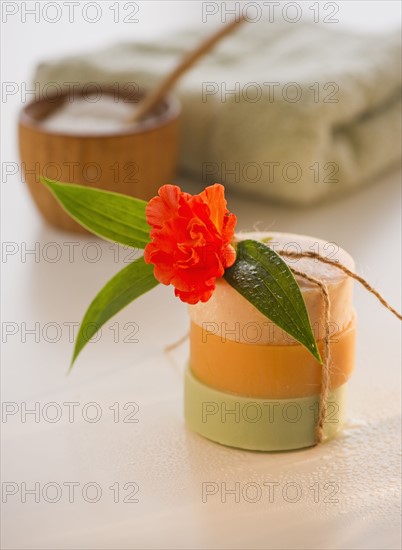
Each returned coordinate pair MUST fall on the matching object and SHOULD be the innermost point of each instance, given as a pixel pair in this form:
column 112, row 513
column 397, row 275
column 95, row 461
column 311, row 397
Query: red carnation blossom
column 191, row 236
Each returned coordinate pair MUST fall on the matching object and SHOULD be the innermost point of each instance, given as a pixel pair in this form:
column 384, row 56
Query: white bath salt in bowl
column 91, row 115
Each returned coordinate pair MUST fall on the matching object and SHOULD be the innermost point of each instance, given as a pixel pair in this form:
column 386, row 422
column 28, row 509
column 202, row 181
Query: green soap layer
column 258, row 424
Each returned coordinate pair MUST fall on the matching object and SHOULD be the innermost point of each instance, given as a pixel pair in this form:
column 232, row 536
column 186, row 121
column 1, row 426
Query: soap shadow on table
column 356, row 442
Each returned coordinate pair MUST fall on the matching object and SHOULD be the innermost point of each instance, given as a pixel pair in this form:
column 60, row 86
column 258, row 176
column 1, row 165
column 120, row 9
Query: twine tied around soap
column 326, row 366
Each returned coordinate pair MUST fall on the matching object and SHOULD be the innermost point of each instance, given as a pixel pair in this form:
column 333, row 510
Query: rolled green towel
column 294, row 112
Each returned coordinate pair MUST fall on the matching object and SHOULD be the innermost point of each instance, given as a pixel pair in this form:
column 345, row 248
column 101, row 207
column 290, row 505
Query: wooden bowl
column 136, row 161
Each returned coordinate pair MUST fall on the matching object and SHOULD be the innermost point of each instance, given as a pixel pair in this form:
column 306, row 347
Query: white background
column 168, row 462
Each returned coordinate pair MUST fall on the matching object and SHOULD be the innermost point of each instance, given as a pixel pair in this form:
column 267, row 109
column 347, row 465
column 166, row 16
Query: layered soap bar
column 238, row 355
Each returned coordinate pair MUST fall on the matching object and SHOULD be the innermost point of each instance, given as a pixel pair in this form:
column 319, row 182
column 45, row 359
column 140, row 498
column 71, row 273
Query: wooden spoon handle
column 151, row 100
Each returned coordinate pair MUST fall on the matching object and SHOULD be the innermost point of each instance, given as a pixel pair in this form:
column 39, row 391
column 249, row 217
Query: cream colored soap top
column 227, row 307
column 299, row 243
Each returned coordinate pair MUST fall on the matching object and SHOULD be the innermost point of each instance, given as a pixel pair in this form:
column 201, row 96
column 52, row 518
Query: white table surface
column 167, row 461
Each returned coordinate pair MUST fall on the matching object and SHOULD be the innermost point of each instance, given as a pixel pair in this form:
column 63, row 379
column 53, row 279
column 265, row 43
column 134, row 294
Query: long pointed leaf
column 118, row 218
column 130, row 283
column 264, row 279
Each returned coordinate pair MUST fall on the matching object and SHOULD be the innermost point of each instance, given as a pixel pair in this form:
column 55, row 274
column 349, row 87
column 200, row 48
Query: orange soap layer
column 268, row 371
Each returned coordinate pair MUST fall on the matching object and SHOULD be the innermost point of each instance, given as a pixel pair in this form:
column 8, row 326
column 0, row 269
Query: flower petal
column 214, row 197
column 190, row 240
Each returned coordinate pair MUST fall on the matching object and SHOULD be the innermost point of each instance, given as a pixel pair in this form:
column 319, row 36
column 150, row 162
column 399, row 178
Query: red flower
column 191, row 237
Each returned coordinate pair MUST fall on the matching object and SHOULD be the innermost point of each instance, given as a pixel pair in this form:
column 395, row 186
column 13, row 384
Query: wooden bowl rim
column 172, row 112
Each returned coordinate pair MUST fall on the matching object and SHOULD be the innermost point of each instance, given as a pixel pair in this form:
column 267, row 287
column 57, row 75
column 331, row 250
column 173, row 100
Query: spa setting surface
column 192, row 419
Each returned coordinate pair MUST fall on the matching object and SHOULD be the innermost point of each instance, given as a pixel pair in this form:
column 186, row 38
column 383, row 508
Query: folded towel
column 295, row 112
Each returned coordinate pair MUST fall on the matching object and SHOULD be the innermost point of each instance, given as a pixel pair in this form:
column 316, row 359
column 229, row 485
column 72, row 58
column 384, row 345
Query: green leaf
column 130, row 283
column 118, row 218
column 265, row 280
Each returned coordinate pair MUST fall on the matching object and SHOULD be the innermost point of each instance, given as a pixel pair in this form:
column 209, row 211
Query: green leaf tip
column 112, row 216
column 128, row 284
column 261, row 276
